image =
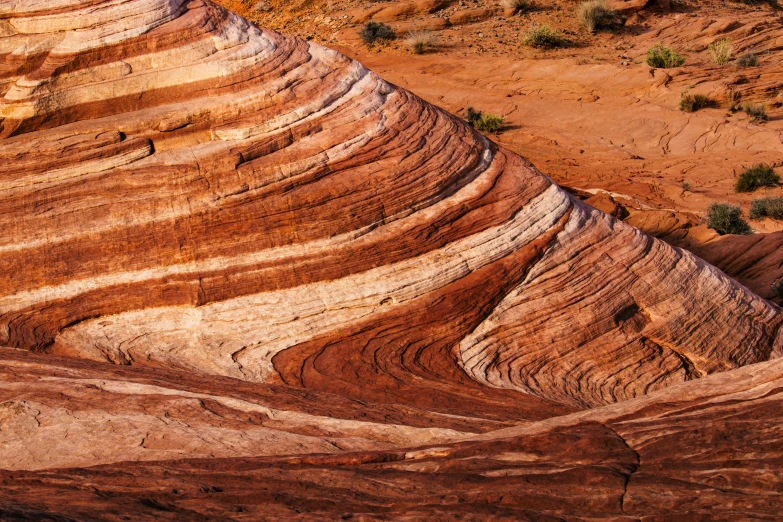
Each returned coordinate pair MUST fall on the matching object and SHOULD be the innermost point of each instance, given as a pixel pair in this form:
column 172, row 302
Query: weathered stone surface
column 704, row 450
column 297, row 259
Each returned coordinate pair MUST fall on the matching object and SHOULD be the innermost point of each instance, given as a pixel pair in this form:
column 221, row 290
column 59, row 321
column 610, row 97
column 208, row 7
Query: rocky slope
column 592, row 115
column 297, row 257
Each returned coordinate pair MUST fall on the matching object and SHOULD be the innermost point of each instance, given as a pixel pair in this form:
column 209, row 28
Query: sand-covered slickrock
column 224, row 244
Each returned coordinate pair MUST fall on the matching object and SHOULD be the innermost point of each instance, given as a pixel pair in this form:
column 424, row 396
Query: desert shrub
column 662, row 57
column 686, row 186
column 766, row 207
column 694, row 102
column 720, row 51
column 727, row 219
column 373, row 32
column 516, row 6
column 421, row 41
column 484, row 122
column 595, row 14
column 748, row 60
column 733, row 97
column 757, row 176
column 756, row 112
column 543, row 37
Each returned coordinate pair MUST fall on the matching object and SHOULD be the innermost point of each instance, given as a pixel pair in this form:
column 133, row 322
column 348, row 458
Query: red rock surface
column 228, row 245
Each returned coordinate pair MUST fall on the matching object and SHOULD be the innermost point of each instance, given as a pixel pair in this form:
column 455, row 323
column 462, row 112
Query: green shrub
column 662, row 57
column 595, row 14
column 720, row 51
column 748, row 60
column 756, row 113
column 374, row 31
column 757, row 176
column 484, row 122
column 694, row 102
column 543, row 37
column 766, row 207
column 727, row 219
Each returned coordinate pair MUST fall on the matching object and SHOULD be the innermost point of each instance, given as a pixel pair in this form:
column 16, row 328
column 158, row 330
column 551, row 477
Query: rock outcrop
column 299, row 258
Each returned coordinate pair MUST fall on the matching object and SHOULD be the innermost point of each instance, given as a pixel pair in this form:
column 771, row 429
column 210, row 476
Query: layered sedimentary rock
column 705, row 450
column 181, row 188
column 298, row 257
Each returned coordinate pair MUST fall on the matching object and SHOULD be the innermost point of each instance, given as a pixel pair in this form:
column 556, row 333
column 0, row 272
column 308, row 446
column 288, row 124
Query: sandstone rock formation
column 296, row 257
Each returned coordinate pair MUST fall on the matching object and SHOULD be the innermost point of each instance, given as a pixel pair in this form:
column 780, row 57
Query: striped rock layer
column 183, row 189
column 246, row 250
column 298, row 259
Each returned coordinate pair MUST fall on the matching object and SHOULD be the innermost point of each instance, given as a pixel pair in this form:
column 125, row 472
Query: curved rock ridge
column 702, row 450
column 181, row 189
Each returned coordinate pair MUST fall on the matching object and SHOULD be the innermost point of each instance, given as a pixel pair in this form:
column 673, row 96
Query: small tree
column 727, row 219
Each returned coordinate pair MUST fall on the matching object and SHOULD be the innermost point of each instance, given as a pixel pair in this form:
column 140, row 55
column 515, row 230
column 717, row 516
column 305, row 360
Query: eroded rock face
column 183, row 189
column 299, row 258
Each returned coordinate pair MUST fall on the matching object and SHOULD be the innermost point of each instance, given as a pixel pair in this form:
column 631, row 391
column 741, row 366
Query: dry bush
column 756, row 112
column 720, row 51
column 543, row 37
column 694, row 102
column 421, row 41
column 595, row 14
column 515, row 6
column 373, row 32
column 748, row 59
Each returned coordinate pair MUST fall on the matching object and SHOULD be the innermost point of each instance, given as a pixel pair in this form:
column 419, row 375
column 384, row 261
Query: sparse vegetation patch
column 373, row 32
column 662, row 57
column 748, row 59
column 490, row 123
column 766, row 207
column 421, row 42
column 516, row 6
column 727, row 219
column 544, row 37
column 595, row 15
column 756, row 113
column 694, row 102
column 720, row 51
column 757, row 176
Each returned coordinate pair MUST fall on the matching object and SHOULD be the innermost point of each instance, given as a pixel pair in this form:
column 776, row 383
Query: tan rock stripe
column 259, row 326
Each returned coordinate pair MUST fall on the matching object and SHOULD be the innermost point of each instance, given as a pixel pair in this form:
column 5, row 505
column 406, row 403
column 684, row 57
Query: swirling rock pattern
column 301, row 257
